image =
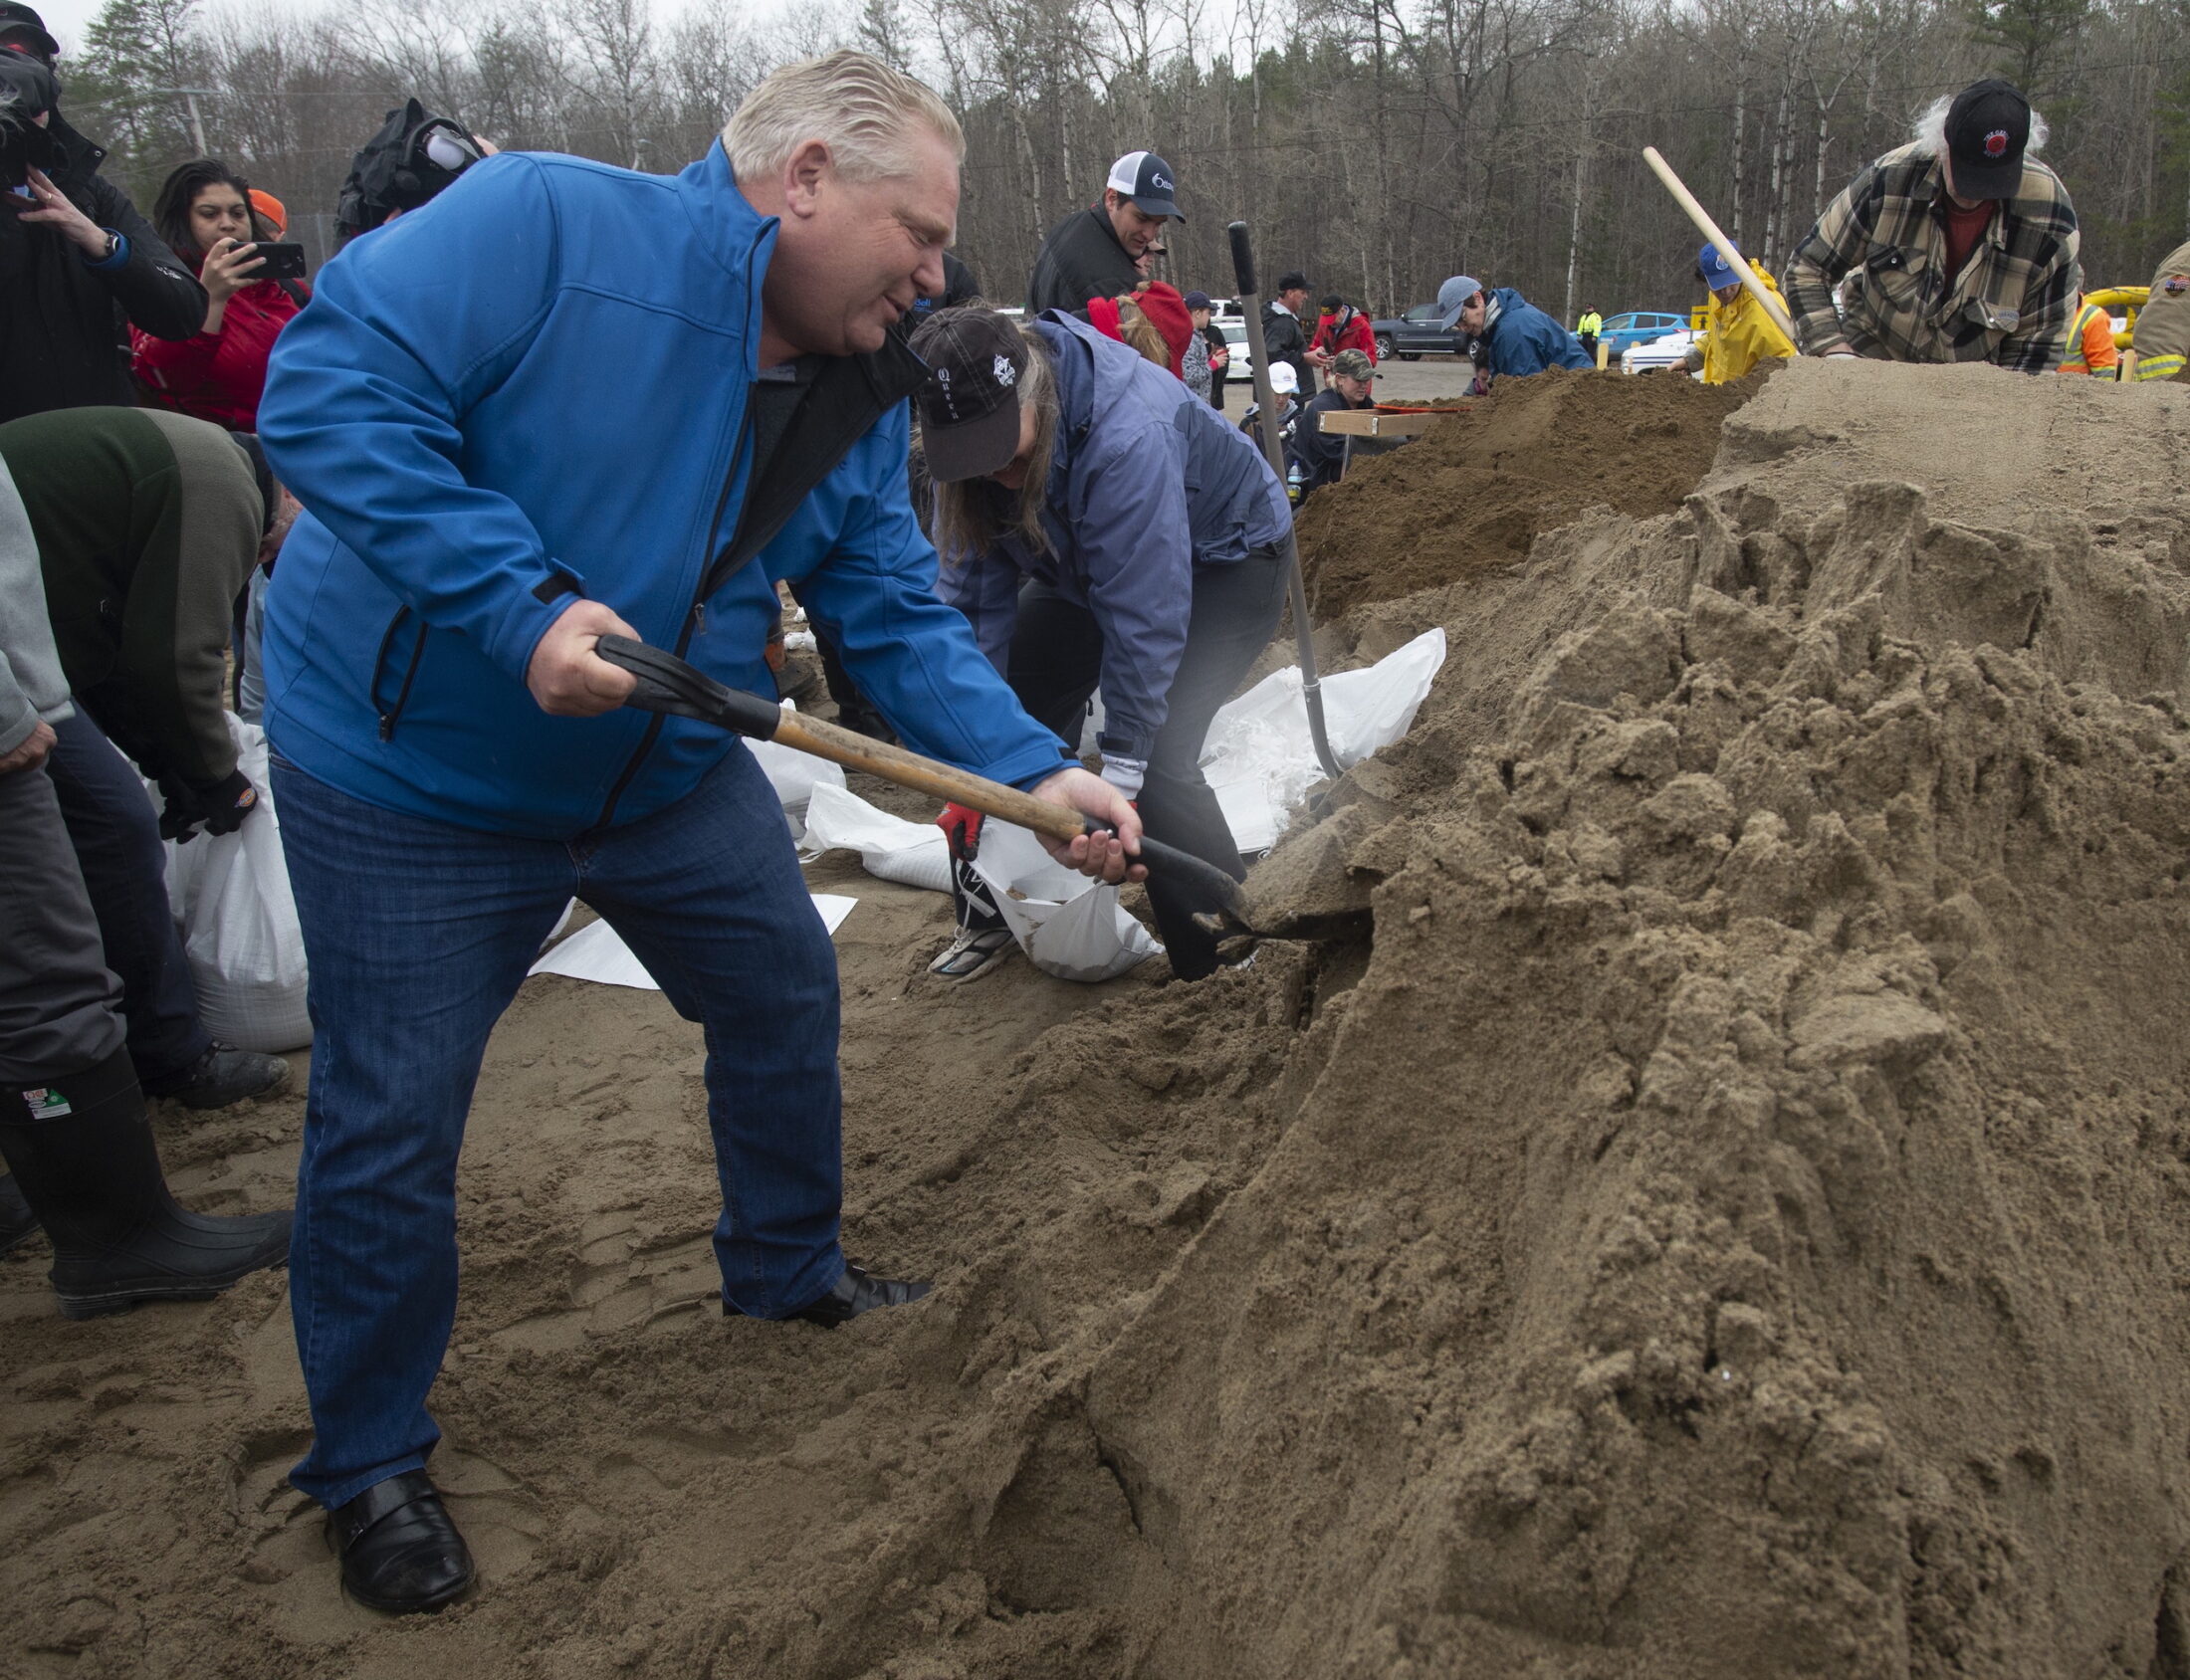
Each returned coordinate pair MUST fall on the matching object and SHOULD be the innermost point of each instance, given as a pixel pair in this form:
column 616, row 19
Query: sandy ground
column 1709, row 1201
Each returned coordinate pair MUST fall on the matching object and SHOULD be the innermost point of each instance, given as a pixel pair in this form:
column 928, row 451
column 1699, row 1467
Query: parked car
column 1621, row 332
column 1419, row 332
column 1241, row 365
column 1668, row 352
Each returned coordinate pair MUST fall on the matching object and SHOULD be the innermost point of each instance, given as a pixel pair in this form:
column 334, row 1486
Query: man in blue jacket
column 561, row 401
column 1510, row 335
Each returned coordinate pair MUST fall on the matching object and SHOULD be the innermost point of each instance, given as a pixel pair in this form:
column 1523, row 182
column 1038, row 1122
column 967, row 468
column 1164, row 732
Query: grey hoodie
column 32, row 688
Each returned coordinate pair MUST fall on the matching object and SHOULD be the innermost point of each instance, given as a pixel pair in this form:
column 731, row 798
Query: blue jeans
column 418, row 935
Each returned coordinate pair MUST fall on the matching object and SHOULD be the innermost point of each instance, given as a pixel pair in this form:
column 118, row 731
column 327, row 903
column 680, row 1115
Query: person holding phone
column 204, row 213
column 73, row 251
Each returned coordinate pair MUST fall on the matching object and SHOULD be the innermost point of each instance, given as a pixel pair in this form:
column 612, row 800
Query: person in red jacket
column 1341, row 326
column 204, row 213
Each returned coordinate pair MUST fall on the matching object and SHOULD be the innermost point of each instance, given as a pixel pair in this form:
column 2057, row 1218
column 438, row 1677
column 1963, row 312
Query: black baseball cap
column 1148, row 181
column 1988, row 125
column 1292, row 280
column 970, row 406
column 22, row 26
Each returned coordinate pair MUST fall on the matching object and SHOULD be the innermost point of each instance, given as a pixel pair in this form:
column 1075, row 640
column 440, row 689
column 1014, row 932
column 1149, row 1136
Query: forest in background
column 1377, row 144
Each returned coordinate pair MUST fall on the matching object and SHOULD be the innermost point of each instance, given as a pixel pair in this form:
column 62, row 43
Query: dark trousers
column 1056, row 661
column 58, row 1000
column 116, row 833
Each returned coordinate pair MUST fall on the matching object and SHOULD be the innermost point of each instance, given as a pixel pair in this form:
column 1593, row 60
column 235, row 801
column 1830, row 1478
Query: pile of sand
column 1472, row 493
column 1716, row 1207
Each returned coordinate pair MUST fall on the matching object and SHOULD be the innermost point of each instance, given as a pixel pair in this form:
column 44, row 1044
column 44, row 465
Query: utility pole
column 197, row 126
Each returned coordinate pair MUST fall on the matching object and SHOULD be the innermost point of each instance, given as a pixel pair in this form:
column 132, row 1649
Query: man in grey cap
column 1510, row 335
column 1093, row 252
column 1321, row 455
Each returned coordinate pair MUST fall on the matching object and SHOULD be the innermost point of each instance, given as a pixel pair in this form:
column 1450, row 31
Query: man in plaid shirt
column 1958, row 247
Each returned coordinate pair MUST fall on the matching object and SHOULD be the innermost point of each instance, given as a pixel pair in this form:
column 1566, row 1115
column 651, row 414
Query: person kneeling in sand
column 486, row 497
column 1100, row 524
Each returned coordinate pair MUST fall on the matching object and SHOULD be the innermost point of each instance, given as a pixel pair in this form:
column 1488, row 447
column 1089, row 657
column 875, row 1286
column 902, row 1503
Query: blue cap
column 1196, row 301
column 1453, row 294
column 1718, row 271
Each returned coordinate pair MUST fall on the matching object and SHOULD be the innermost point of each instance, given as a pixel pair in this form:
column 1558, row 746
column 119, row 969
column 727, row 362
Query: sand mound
column 1716, row 1207
column 1470, row 494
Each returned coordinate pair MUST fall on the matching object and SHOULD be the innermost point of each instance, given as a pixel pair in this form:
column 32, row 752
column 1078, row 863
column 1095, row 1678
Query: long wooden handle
column 910, row 770
column 1710, row 231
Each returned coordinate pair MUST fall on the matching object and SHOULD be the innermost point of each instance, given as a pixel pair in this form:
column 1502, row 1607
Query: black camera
column 283, row 262
column 27, row 89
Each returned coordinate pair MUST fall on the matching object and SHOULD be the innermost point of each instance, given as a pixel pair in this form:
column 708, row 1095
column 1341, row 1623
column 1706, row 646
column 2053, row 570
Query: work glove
column 960, row 827
column 1125, row 774
column 218, row 809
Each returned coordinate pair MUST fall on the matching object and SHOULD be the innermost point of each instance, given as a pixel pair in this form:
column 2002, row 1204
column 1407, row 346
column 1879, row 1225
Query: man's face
column 851, row 257
column 1471, row 315
column 1296, row 299
column 1355, row 391
column 1136, row 229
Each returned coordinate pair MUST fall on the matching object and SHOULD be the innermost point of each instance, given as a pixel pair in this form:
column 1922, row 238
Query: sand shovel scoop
column 667, row 684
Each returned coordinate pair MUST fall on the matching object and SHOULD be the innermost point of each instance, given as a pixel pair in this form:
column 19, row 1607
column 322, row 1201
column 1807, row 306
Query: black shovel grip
column 1243, row 250
column 668, row 684
column 1212, row 892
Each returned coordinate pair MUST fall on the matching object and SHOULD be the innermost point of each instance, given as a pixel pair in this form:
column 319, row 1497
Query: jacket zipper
column 410, row 673
column 694, row 619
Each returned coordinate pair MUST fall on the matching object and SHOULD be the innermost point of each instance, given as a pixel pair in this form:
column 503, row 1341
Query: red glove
column 960, row 827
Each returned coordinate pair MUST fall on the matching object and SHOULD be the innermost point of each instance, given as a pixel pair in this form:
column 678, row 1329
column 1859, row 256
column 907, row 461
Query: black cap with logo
column 22, row 26
column 970, row 406
column 1988, row 125
column 1146, row 179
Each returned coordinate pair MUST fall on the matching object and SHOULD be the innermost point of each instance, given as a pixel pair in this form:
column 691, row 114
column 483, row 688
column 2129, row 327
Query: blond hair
column 868, row 114
column 1137, row 332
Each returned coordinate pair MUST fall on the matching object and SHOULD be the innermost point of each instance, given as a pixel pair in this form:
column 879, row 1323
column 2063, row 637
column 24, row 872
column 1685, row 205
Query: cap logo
column 1996, row 143
column 1006, row 374
column 1158, row 182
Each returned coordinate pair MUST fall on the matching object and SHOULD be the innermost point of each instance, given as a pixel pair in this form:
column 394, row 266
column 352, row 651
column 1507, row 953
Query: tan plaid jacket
column 1884, row 241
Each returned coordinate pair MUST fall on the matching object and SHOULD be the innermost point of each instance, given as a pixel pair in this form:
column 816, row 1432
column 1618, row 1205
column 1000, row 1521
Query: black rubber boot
column 18, row 1224
column 83, row 1158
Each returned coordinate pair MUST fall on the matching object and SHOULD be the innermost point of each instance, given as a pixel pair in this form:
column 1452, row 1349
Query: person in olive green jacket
column 147, row 527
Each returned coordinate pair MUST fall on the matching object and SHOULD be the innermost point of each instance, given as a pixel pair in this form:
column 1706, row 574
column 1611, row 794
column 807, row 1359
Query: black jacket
column 64, row 326
column 1213, row 335
column 1321, row 454
column 1283, row 341
column 1081, row 259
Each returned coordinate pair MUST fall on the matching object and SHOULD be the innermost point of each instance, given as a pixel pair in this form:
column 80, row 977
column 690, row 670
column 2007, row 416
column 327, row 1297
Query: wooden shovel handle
column 926, row 775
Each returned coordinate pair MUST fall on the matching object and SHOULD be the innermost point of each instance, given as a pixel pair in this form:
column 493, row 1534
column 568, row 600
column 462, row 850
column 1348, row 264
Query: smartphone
column 283, row 262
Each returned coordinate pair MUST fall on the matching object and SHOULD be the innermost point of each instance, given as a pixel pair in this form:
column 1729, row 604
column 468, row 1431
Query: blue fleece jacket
column 1524, row 340
column 1147, row 481
column 539, row 380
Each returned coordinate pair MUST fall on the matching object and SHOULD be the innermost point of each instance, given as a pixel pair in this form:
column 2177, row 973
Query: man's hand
column 29, row 753
column 566, row 677
column 1101, row 855
column 56, row 212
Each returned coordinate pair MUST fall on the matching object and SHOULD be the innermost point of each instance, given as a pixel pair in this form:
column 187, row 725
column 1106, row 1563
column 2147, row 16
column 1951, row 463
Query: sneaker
column 222, row 1076
column 972, row 954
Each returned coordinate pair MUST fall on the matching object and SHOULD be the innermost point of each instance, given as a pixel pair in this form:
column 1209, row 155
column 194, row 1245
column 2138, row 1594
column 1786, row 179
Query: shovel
column 667, row 684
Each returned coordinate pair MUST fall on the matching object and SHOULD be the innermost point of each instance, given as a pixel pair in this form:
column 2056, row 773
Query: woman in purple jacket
column 1100, row 527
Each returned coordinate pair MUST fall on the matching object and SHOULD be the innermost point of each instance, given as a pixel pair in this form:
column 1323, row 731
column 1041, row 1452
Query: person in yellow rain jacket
column 2092, row 343
column 2162, row 340
column 1737, row 333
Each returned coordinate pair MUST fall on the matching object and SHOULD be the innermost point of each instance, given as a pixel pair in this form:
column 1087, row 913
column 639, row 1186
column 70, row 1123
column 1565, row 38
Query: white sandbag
column 596, row 952
column 1259, row 756
column 794, row 775
column 230, row 894
column 1068, row 923
column 913, row 854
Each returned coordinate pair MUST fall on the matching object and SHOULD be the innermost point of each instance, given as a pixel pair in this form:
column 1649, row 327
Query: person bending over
column 1100, row 525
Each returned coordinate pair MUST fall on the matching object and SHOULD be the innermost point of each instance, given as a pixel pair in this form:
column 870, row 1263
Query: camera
column 283, row 262
column 27, row 88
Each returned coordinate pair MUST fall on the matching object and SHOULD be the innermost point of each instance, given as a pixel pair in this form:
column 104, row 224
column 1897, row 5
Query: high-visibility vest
column 2091, row 341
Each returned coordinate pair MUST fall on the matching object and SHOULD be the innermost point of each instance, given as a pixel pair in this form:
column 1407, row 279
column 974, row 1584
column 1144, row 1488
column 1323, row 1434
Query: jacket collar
column 79, row 157
column 734, row 234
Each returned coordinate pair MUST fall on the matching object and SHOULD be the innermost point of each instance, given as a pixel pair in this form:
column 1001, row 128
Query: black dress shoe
column 399, row 1547
column 857, row 1292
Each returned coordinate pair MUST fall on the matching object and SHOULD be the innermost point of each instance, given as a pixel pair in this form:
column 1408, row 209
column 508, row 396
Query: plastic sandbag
column 1068, row 923
column 596, row 952
column 230, row 894
column 794, row 775
column 1259, row 757
column 913, row 854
